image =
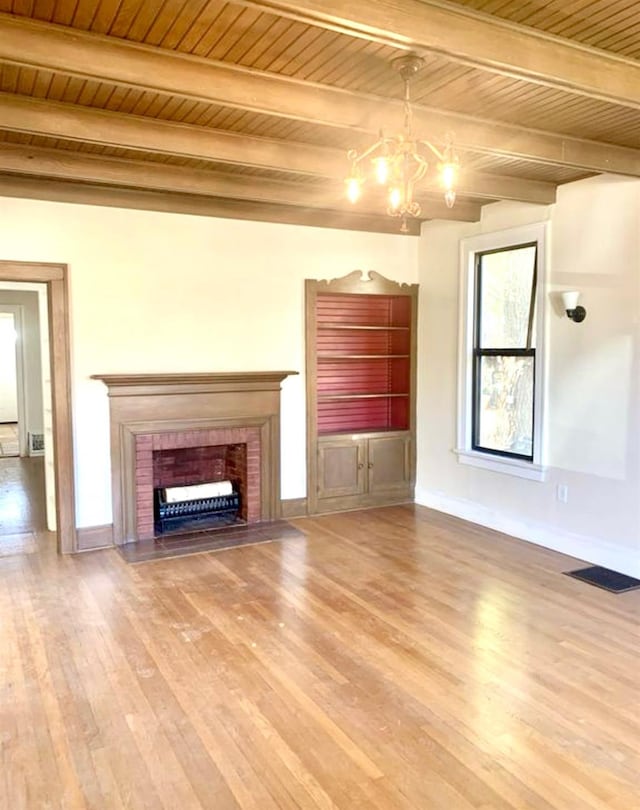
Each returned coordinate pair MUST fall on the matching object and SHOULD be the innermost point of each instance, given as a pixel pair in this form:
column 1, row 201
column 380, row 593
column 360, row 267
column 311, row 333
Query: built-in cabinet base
column 363, row 470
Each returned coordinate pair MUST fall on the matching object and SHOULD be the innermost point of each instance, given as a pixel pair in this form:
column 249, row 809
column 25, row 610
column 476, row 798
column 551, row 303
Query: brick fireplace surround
column 176, row 413
column 208, row 447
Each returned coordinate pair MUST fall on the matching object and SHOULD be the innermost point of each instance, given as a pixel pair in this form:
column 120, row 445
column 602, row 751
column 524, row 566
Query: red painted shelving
column 363, row 375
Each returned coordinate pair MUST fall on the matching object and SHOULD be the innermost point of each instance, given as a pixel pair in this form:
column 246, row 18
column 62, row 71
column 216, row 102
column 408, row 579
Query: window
column 501, row 375
column 504, row 352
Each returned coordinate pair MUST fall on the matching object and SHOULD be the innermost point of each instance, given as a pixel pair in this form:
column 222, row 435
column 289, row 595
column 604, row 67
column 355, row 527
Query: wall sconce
column 570, row 305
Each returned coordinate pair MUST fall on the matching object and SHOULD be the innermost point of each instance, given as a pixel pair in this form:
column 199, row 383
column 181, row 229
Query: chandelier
column 398, row 162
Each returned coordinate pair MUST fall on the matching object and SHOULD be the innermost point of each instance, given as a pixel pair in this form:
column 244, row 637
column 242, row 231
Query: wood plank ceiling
column 247, row 109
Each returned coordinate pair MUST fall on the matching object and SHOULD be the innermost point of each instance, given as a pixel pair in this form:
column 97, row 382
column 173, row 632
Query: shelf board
column 361, row 356
column 365, row 433
column 327, row 397
column 345, row 327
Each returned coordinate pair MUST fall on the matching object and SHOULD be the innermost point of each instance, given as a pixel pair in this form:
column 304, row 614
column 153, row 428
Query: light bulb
column 395, row 198
column 353, row 189
column 448, row 175
column 382, row 170
column 450, row 198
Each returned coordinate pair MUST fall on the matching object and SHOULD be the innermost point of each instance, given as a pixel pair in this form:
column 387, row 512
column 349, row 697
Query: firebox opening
column 199, row 488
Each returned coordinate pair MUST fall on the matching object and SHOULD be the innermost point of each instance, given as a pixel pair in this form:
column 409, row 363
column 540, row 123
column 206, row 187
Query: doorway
column 27, row 486
column 21, row 366
column 54, row 277
column 9, row 440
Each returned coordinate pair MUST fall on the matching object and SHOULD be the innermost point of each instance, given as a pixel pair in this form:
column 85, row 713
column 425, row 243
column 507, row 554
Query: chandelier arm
column 440, row 155
column 420, row 172
column 356, row 157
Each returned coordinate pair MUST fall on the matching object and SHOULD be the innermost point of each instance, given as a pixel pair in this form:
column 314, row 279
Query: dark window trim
column 479, row 353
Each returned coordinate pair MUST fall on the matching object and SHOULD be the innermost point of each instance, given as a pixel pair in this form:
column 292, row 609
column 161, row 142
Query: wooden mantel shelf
column 196, row 382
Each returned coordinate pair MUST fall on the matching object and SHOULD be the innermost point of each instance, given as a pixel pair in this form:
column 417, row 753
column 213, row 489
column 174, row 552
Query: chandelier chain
column 408, row 113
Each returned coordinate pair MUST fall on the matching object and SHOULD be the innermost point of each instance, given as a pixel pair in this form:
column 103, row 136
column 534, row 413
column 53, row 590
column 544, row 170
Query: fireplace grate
column 171, row 516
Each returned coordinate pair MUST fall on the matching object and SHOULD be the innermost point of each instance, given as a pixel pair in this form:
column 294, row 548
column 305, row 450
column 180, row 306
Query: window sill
column 507, row 466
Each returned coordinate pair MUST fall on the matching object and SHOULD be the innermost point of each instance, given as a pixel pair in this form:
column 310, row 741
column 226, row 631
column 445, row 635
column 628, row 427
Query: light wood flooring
column 22, row 505
column 393, row 658
column 9, row 439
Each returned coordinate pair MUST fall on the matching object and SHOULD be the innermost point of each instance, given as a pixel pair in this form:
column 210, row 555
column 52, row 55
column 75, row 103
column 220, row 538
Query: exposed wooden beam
column 87, row 194
column 476, row 39
column 76, row 53
column 65, row 165
column 85, row 167
column 71, row 122
column 501, row 187
column 537, row 146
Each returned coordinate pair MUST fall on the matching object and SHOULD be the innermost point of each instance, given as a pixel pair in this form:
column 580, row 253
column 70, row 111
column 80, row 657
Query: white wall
column 31, row 339
column 169, row 292
column 593, row 412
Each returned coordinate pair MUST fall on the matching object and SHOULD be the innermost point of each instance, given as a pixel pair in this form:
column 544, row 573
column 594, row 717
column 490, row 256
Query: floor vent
column 36, row 443
column 605, row 578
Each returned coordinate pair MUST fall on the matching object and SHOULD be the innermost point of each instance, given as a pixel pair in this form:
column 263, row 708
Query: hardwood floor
column 22, row 498
column 9, row 442
column 395, row 658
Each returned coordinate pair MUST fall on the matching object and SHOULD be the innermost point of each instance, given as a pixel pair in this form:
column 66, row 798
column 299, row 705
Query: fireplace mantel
column 128, row 384
column 146, row 404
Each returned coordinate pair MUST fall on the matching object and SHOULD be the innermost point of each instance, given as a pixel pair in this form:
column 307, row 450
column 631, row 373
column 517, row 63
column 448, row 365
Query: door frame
column 55, row 277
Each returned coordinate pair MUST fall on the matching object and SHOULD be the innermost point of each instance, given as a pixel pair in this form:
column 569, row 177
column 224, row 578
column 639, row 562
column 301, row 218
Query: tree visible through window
column 504, row 351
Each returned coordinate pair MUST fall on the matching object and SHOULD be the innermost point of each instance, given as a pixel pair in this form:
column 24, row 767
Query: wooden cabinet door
column 341, row 468
column 388, row 464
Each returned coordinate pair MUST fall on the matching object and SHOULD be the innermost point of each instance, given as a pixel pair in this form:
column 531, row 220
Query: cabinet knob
column 360, row 466
column 370, row 465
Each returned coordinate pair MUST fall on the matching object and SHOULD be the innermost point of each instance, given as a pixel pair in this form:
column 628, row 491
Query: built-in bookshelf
column 360, row 387
column 363, row 345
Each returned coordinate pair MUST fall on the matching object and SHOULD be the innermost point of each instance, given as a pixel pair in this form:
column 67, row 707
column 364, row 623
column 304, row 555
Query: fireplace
column 174, row 430
column 205, row 485
column 186, row 458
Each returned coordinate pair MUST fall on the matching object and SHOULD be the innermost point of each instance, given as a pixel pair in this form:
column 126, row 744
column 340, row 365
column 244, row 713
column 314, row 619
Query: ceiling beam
column 65, row 165
column 89, row 194
column 47, row 46
column 76, row 53
column 71, row 122
column 463, row 35
column 84, row 167
column 500, row 187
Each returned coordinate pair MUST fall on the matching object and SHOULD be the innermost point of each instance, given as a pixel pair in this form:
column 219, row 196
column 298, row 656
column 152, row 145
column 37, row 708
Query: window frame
column 471, row 251
column 479, row 353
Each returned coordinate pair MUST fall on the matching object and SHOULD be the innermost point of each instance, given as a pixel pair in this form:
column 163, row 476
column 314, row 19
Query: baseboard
column 293, row 508
column 593, row 550
column 93, row 537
